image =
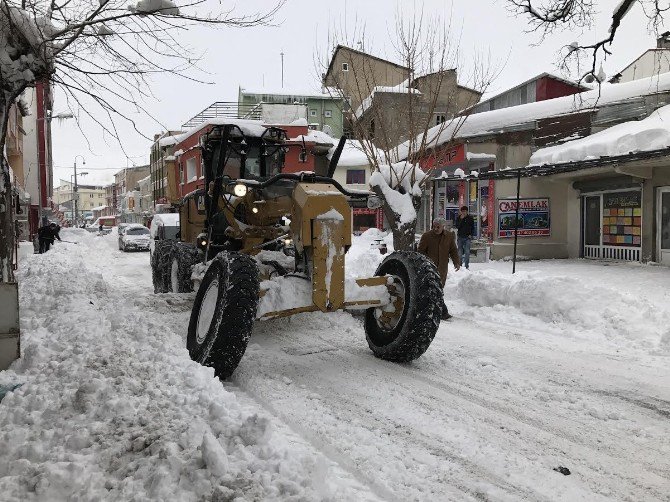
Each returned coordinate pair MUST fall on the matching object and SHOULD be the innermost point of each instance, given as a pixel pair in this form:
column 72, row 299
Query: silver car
column 135, row 237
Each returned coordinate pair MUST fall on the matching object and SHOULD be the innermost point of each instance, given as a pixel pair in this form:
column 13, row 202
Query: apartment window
column 440, row 119
column 191, row 173
column 345, row 66
column 90, row 196
column 328, row 114
column 312, row 113
column 355, row 176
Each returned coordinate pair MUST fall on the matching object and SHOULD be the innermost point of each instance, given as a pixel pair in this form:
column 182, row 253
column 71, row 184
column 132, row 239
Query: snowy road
column 566, row 365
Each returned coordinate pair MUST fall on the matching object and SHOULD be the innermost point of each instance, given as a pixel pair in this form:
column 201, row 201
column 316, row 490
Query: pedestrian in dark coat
column 439, row 244
column 47, row 235
column 465, row 225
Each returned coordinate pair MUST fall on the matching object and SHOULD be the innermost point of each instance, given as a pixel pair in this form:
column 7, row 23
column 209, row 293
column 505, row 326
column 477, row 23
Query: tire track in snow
column 577, row 441
column 475, row 473
column 531, row 425
column 335, row 456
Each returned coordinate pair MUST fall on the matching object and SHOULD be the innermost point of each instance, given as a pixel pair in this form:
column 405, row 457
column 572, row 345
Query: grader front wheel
column 403, row 330
column 224, row 312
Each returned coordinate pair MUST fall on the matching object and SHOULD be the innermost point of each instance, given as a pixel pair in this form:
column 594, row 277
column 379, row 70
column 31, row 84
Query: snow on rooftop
column 167, row 219
column 353, row 154
column 651, row 133
column 401, row 88
column 248, row 127
column 491, row 122
column 316, row 92
column 317, row 137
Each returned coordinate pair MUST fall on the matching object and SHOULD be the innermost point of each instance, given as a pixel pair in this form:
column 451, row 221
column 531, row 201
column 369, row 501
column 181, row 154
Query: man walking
column 439, row 244
column 465, row 224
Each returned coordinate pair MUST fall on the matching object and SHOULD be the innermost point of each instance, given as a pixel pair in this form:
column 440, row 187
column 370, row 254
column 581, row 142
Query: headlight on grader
column 240, row 190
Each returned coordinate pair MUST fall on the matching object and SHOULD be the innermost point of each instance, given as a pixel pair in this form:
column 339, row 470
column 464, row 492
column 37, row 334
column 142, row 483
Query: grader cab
column 273, row 245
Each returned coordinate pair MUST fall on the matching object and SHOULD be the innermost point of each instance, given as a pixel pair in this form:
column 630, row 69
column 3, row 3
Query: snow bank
column 567, row 302
column 651, row 133
column 112, row 407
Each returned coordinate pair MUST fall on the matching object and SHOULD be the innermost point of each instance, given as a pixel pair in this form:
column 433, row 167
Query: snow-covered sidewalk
column 565, row 364
column 113, row 408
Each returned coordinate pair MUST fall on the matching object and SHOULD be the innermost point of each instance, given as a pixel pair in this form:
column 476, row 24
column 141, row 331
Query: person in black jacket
column 465, row 224
column 47, row 235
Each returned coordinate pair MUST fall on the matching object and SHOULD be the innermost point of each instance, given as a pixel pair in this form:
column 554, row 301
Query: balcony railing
column 226, row 109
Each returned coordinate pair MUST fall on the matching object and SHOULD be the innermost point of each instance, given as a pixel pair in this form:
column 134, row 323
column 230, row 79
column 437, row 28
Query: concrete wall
column 652, row 62
column 561, row 196
column 364, row 74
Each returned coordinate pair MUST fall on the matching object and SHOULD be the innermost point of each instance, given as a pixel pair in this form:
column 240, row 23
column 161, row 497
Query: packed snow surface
column 564, row 364
column 651, row 133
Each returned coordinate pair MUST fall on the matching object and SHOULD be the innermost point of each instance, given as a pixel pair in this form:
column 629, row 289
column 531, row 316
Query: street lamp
column 72, row 201
column 76, row 195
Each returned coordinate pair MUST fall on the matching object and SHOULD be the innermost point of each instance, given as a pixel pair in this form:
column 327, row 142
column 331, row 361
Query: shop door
column 663, row 225
column 592, row 229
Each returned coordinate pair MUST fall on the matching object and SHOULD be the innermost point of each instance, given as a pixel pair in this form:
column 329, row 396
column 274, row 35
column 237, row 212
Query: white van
column 164, row 226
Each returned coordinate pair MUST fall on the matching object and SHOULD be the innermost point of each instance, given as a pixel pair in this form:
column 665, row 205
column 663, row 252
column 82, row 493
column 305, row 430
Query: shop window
column 355, row 176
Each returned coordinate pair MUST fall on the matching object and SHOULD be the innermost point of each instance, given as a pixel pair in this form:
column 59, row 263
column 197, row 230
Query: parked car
column 135, row 237
column 121, row 227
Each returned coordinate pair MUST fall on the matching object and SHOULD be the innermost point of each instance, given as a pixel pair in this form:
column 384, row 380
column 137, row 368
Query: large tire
column 182, row 259
column 224, row 312
column 160, row 266
column 409, row 334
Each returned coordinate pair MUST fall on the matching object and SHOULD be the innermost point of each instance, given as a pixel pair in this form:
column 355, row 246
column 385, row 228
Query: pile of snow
column 651, row 133
column 595, row 310
column 113, row 408
column 390, row 178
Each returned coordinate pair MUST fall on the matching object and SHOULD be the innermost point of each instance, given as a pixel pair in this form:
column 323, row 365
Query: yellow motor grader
column 273, row 244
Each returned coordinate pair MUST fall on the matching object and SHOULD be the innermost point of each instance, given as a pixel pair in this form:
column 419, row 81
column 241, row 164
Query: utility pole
column 76, row 194
column 282, row 68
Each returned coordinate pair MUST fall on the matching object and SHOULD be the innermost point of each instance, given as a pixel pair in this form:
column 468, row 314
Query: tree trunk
column 6, row 210
column 403, row 233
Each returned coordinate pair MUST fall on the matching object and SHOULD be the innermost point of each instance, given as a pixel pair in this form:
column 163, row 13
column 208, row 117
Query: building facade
column 580, row 195
column 389, row 103
column 321, row 110
column 89, row 197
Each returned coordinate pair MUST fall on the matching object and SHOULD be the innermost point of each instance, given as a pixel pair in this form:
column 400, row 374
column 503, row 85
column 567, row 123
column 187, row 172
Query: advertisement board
column 534, row 217
column 622, row 218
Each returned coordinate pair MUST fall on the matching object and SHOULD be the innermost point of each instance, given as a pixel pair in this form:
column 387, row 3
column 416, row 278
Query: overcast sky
column 251, row 58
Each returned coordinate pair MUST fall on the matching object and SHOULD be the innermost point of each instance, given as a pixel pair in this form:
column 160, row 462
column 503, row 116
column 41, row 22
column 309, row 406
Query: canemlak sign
column 534, row 217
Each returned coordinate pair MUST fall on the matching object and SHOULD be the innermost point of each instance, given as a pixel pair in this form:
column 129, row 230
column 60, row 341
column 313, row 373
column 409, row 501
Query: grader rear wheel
column 224, row 312
column 403, row 330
